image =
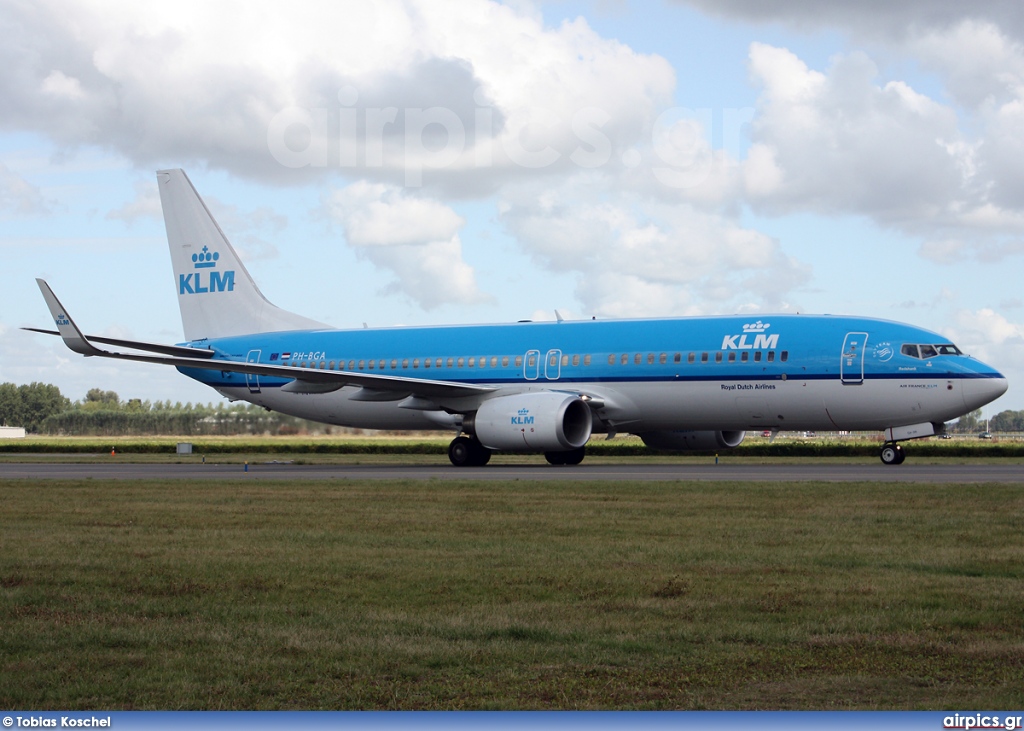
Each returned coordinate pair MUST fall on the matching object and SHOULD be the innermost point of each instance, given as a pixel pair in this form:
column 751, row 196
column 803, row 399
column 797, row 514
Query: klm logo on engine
column 753, row 338
column 201, row 282
column 523, row 417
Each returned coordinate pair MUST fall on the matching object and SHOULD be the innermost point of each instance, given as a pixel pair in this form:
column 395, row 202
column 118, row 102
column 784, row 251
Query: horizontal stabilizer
column 183, row 351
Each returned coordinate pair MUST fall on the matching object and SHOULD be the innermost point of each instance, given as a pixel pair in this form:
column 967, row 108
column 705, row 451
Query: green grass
column 523, row 595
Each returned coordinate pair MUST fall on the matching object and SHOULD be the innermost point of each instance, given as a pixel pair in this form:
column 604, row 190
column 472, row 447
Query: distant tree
column 98, row 395
column 1007, row 421
column 28, row 405
column 969, row 423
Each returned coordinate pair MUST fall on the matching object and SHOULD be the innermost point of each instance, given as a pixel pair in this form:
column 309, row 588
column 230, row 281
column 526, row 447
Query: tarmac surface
column 805, row 472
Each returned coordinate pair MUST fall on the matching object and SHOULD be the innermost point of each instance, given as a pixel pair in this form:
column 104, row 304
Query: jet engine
column 540, row 421
column 697, row 441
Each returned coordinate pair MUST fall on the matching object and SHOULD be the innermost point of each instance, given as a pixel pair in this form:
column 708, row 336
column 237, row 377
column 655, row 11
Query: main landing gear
column 892, row 453
column 469, row 452
column 466, row 452
column 571, row 457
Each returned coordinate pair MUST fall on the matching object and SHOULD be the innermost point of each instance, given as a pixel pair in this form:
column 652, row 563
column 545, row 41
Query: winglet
column 68, row 330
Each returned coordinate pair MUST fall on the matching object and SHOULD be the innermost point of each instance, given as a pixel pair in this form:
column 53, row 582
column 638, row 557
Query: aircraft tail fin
column 217, row 296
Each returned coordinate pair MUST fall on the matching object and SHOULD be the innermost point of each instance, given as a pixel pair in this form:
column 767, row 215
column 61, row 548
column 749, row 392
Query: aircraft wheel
column 892, row 454
column 573, row 456
column 466, row 452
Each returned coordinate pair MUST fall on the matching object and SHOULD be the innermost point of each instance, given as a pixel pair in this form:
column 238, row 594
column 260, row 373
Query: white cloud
column 414, row 238
column 635, row 255
column 19, row 196
column 478, row 89
column 990, row 336
column 145, row 205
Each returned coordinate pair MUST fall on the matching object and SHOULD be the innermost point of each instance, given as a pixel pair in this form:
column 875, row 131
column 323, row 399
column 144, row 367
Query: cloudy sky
column 428, row 163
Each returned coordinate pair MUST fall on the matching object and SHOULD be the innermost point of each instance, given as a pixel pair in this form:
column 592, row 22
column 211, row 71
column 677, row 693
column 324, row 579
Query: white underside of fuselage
column 791, row 404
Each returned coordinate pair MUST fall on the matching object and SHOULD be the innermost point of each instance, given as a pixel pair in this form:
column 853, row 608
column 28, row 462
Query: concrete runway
column 804, row 472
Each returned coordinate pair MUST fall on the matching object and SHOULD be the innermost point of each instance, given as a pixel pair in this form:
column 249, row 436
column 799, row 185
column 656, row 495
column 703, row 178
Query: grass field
column 467, row 595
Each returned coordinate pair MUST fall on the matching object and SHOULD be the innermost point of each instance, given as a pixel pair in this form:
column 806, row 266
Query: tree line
column 42, row 409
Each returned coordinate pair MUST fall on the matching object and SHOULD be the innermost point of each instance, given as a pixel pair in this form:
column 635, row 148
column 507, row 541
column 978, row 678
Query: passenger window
column 928, row 351
column 718, row 357
column 426, row 363
column 910, row 349
column 415, row 362
column 362, row 364
column 532, row 362
column 565, row 360
column 575, row 360
column 519, row 361
column 745, row 356
column 732, row 357
column 784, row 356
column 462, row 362
column 611, row 359
column 504, row 361
column 704, row 357
column 771, row 356
column 638, row 359
column 472, row 362
column 394, row 364
column 757, row 356
column 483, row 361
column 663, row 358
column 691, row 358
column 351, row 365
column 650, row 359
column 624, row 359
column 494, row 361
column 372, row 364
column 586, row 360
column 405, row 362
column 451, row 362
column 678, row 358
column 332, row 365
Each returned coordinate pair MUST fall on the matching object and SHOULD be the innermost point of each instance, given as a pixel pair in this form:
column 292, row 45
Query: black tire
column 460, row 452
column 481, row 454
column 571, row 457
column 466, row 452
column 891, row 454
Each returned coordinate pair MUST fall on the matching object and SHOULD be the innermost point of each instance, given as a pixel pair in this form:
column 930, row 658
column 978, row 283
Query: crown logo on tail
column 205, row 259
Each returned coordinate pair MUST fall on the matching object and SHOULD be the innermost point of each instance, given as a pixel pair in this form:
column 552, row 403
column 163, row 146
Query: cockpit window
column 929, row 351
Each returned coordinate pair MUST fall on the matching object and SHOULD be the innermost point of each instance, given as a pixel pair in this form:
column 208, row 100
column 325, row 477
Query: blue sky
column 602, row 158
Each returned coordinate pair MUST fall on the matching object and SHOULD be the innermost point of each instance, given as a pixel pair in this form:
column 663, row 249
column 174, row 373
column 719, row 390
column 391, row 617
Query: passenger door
column 851, row 363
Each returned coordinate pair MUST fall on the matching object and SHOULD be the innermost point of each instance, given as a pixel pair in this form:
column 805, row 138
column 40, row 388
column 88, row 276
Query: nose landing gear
column 892, row 453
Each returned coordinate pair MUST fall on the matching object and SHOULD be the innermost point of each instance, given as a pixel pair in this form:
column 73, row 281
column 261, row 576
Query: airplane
column 693, row 383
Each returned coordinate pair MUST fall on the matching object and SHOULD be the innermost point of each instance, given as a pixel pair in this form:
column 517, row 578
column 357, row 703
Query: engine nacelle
column 540, row 421
column 697, row 441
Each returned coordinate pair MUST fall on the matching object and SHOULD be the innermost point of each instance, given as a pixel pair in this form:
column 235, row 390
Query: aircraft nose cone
column 981, row 391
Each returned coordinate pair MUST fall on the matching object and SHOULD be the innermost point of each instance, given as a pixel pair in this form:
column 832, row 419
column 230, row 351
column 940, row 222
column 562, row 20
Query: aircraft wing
column 307, row 380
